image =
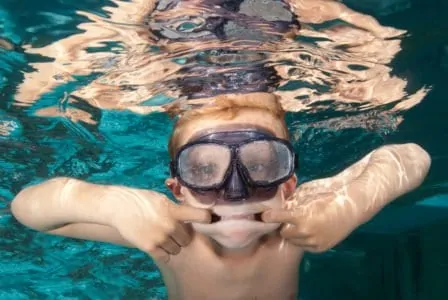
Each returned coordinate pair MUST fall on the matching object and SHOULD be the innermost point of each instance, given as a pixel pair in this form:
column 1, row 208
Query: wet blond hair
column 227, row 107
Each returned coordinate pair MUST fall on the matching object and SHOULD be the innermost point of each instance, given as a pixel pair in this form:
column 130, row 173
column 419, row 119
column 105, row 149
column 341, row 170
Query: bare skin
column 227, row 259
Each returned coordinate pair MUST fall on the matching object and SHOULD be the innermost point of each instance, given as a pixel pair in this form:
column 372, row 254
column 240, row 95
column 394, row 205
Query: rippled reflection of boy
column 240, row 227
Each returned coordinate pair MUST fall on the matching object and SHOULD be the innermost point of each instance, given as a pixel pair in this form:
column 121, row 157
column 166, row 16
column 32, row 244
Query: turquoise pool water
column 400, row 255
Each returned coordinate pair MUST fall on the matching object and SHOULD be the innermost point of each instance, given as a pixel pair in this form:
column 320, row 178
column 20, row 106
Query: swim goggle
column 234, row 161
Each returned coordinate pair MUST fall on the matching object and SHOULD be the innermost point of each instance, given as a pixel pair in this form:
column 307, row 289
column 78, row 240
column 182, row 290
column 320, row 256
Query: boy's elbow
column 419, row 162
column 421, row 156
column 415, row 153
column 414, row 160
column 28, row 205
column 20, row 208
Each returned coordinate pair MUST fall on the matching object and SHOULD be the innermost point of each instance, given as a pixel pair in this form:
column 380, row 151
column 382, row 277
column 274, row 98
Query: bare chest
column 269, row 274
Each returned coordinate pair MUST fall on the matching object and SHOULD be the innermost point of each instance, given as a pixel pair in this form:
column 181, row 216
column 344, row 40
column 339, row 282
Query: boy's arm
column 68, row 207
column 377, row 179
column 326, row 211
column 121, row 215
column 391, row 172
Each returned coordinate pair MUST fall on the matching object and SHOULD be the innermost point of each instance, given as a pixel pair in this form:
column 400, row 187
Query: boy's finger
column 171, row 247
column 181, row 235
column 279, row 216
column 290, row 231
column 159, row 254
column 191, row 214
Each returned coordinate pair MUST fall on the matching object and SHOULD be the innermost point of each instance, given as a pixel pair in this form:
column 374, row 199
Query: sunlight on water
column 328, row 58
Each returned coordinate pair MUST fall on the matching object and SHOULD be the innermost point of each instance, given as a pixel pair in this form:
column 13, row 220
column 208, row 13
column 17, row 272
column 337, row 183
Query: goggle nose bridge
column 233, row 163
column 235, row 189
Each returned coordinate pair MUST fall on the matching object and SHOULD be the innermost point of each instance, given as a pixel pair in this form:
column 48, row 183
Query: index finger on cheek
column 278, row 216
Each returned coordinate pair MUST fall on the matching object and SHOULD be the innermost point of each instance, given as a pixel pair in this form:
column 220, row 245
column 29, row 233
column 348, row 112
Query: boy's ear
column 290, row 186
column 175, row 187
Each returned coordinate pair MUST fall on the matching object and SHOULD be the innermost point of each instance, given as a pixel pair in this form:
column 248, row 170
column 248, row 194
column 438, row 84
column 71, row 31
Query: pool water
column 400, row 254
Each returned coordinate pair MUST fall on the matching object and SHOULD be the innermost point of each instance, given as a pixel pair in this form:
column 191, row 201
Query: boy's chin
column 230, row 244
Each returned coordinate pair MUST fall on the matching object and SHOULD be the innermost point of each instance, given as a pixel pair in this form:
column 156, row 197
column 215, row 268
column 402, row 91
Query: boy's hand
column 153, row 223
column 316, row 223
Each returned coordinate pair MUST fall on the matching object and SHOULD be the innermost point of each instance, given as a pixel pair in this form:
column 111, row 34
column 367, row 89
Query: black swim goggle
column 234, row 161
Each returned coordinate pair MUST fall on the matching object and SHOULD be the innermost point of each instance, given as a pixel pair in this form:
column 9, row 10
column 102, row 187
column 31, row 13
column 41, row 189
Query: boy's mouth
column 252, row 217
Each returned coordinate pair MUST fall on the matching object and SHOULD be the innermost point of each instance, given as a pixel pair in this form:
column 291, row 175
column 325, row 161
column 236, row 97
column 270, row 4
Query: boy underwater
column 240, row 225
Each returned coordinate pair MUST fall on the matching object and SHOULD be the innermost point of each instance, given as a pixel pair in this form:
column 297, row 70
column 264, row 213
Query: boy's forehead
column 252, row 120
column 229, row 127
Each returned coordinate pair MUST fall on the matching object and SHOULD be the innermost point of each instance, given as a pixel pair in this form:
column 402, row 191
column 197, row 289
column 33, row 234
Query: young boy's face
column 236, row 206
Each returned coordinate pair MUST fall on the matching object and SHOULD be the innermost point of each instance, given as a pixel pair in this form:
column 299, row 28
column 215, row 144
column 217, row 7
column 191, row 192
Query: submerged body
column 212, row 247
column 209, row 246
column 267, row 271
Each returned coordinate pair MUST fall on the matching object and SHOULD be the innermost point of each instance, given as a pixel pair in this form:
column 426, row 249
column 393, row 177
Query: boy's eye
column 204, row 169
column 256, row 167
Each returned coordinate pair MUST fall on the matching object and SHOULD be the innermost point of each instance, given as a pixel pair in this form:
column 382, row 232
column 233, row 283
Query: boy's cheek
column 205, row 200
